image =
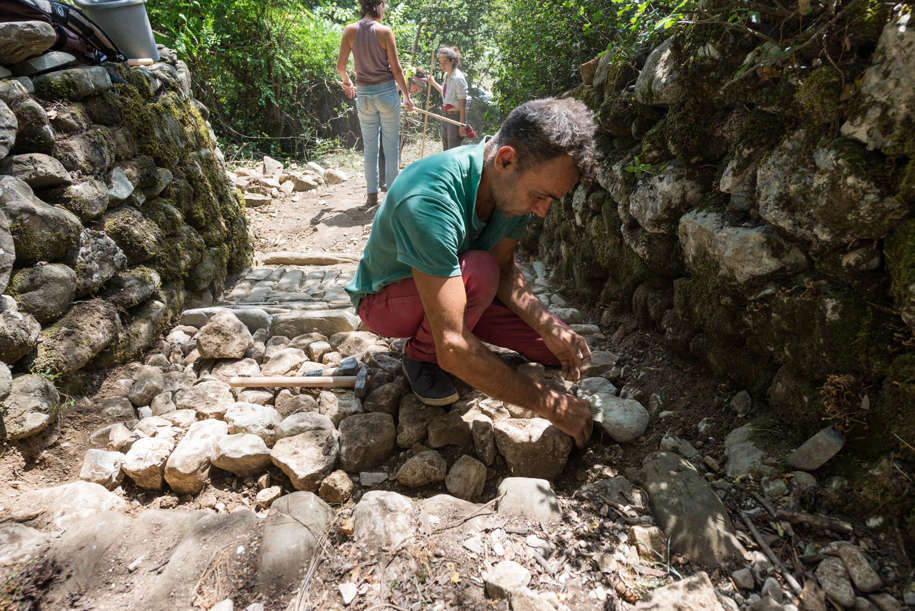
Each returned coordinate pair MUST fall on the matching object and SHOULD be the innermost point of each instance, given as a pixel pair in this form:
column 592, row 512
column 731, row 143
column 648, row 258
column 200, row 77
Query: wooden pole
column 422, row 148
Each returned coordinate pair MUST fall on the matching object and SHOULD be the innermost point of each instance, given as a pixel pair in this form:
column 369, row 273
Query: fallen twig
column 799, row 517
column 789, row 578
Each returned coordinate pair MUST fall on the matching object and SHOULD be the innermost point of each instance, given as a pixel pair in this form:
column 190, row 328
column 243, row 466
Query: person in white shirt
column 454, row 96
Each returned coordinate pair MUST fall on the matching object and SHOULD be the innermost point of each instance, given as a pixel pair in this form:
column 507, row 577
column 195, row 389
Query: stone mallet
column 356, row 382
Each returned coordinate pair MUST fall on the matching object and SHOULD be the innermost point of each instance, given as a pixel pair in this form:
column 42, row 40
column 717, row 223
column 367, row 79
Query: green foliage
column 264, row 69
column 543, row 42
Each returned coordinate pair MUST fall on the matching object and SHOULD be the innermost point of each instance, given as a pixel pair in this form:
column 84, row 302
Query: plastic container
column 126, row 23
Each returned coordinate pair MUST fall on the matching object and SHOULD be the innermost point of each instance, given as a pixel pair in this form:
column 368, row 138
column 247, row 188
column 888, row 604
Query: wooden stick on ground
column 771, row 555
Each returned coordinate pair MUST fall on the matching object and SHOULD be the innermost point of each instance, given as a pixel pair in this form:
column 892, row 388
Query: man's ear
column 506, row 156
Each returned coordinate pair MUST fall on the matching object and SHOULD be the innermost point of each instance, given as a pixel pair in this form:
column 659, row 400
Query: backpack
column 76, row 33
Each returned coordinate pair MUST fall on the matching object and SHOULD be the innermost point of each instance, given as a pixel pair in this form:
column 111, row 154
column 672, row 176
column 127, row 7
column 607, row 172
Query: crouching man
column 439, row 265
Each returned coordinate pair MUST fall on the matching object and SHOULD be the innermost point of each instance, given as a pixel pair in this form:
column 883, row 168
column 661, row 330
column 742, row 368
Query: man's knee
column 481, row 272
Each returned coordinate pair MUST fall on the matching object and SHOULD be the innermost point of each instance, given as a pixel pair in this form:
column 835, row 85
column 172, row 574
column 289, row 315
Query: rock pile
column 115, row 207
column 269, row 179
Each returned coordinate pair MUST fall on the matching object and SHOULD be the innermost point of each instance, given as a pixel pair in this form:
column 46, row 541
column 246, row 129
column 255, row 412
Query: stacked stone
column 269, row 179
column 763, row 226
column 177, row 416
column 115, row 207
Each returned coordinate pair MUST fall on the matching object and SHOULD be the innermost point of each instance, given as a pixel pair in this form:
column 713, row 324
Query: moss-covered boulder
column 70, row 343
column 40, row 232
column 44, row 291
column 899, row 250
column 91, row 153
column 144, row 326
column 132, row 287
column 826, row 194
column 136, row 235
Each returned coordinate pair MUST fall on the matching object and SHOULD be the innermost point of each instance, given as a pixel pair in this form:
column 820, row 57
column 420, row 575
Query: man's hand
column 573, row 417
column 571, row 349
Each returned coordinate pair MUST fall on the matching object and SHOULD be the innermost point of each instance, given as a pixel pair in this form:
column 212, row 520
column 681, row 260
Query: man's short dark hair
column 544, row 129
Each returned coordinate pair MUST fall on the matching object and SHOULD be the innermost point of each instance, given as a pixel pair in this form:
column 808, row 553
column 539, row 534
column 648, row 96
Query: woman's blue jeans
column 378, row 107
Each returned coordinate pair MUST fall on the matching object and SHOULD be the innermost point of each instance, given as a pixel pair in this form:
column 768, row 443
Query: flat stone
column 529, row 498
column 39, row 171
column 243, row 454
column 688, row 511
column 306, row 458
column 695, row 593
column 532, row 447
column 326, row 322
column 302, row 422
column 814, row 452
column 504, row 578
column 20, row 40
column 60, row 508
column 307, row 258
column 833, row 578
column 52, row 60
column 372, row 478
column 859, row 569
column 253, row 318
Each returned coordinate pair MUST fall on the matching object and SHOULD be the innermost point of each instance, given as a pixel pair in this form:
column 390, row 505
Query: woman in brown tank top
column 378, row 76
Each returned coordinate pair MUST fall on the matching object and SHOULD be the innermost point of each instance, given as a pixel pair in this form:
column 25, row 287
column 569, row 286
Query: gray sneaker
column 432, row 385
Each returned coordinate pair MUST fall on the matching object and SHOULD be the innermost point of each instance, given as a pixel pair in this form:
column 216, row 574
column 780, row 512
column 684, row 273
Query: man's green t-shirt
column 427, row 220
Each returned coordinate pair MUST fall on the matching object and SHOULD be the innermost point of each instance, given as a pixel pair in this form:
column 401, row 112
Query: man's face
column 533, row 190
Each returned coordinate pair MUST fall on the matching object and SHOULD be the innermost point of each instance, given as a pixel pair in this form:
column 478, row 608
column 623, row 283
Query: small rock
column 743, row 579
column 366, row 440
column 814, row 452
column 742, row 403
column 347, row 592
column 885, row 602
column 650, row 541
column 372, row 478
column 466, row 478
column 102, row 467
column 424, row 468
column 266, row 496
column 337, row 488
column 834, row 580
column 504, row 578
column 859, row 569
column 529, row 498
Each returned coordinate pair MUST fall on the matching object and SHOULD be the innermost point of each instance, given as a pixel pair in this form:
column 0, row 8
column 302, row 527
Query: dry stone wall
column 116, row 211
column 763, row 223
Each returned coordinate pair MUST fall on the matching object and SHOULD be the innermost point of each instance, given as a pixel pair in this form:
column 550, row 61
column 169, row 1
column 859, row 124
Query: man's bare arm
column 460, row 353
column 517, row 294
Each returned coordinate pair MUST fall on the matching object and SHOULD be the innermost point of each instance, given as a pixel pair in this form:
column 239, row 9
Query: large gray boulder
column 887, row 107
column 20, row 40
column 31, row 406
column 689, row 511
column 41, row 232
column 97, row 261
column 70, row 343
column 44, row 291
column 19, row 332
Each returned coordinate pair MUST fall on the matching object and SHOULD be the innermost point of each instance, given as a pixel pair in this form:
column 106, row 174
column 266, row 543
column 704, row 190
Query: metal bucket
column 126, row 23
